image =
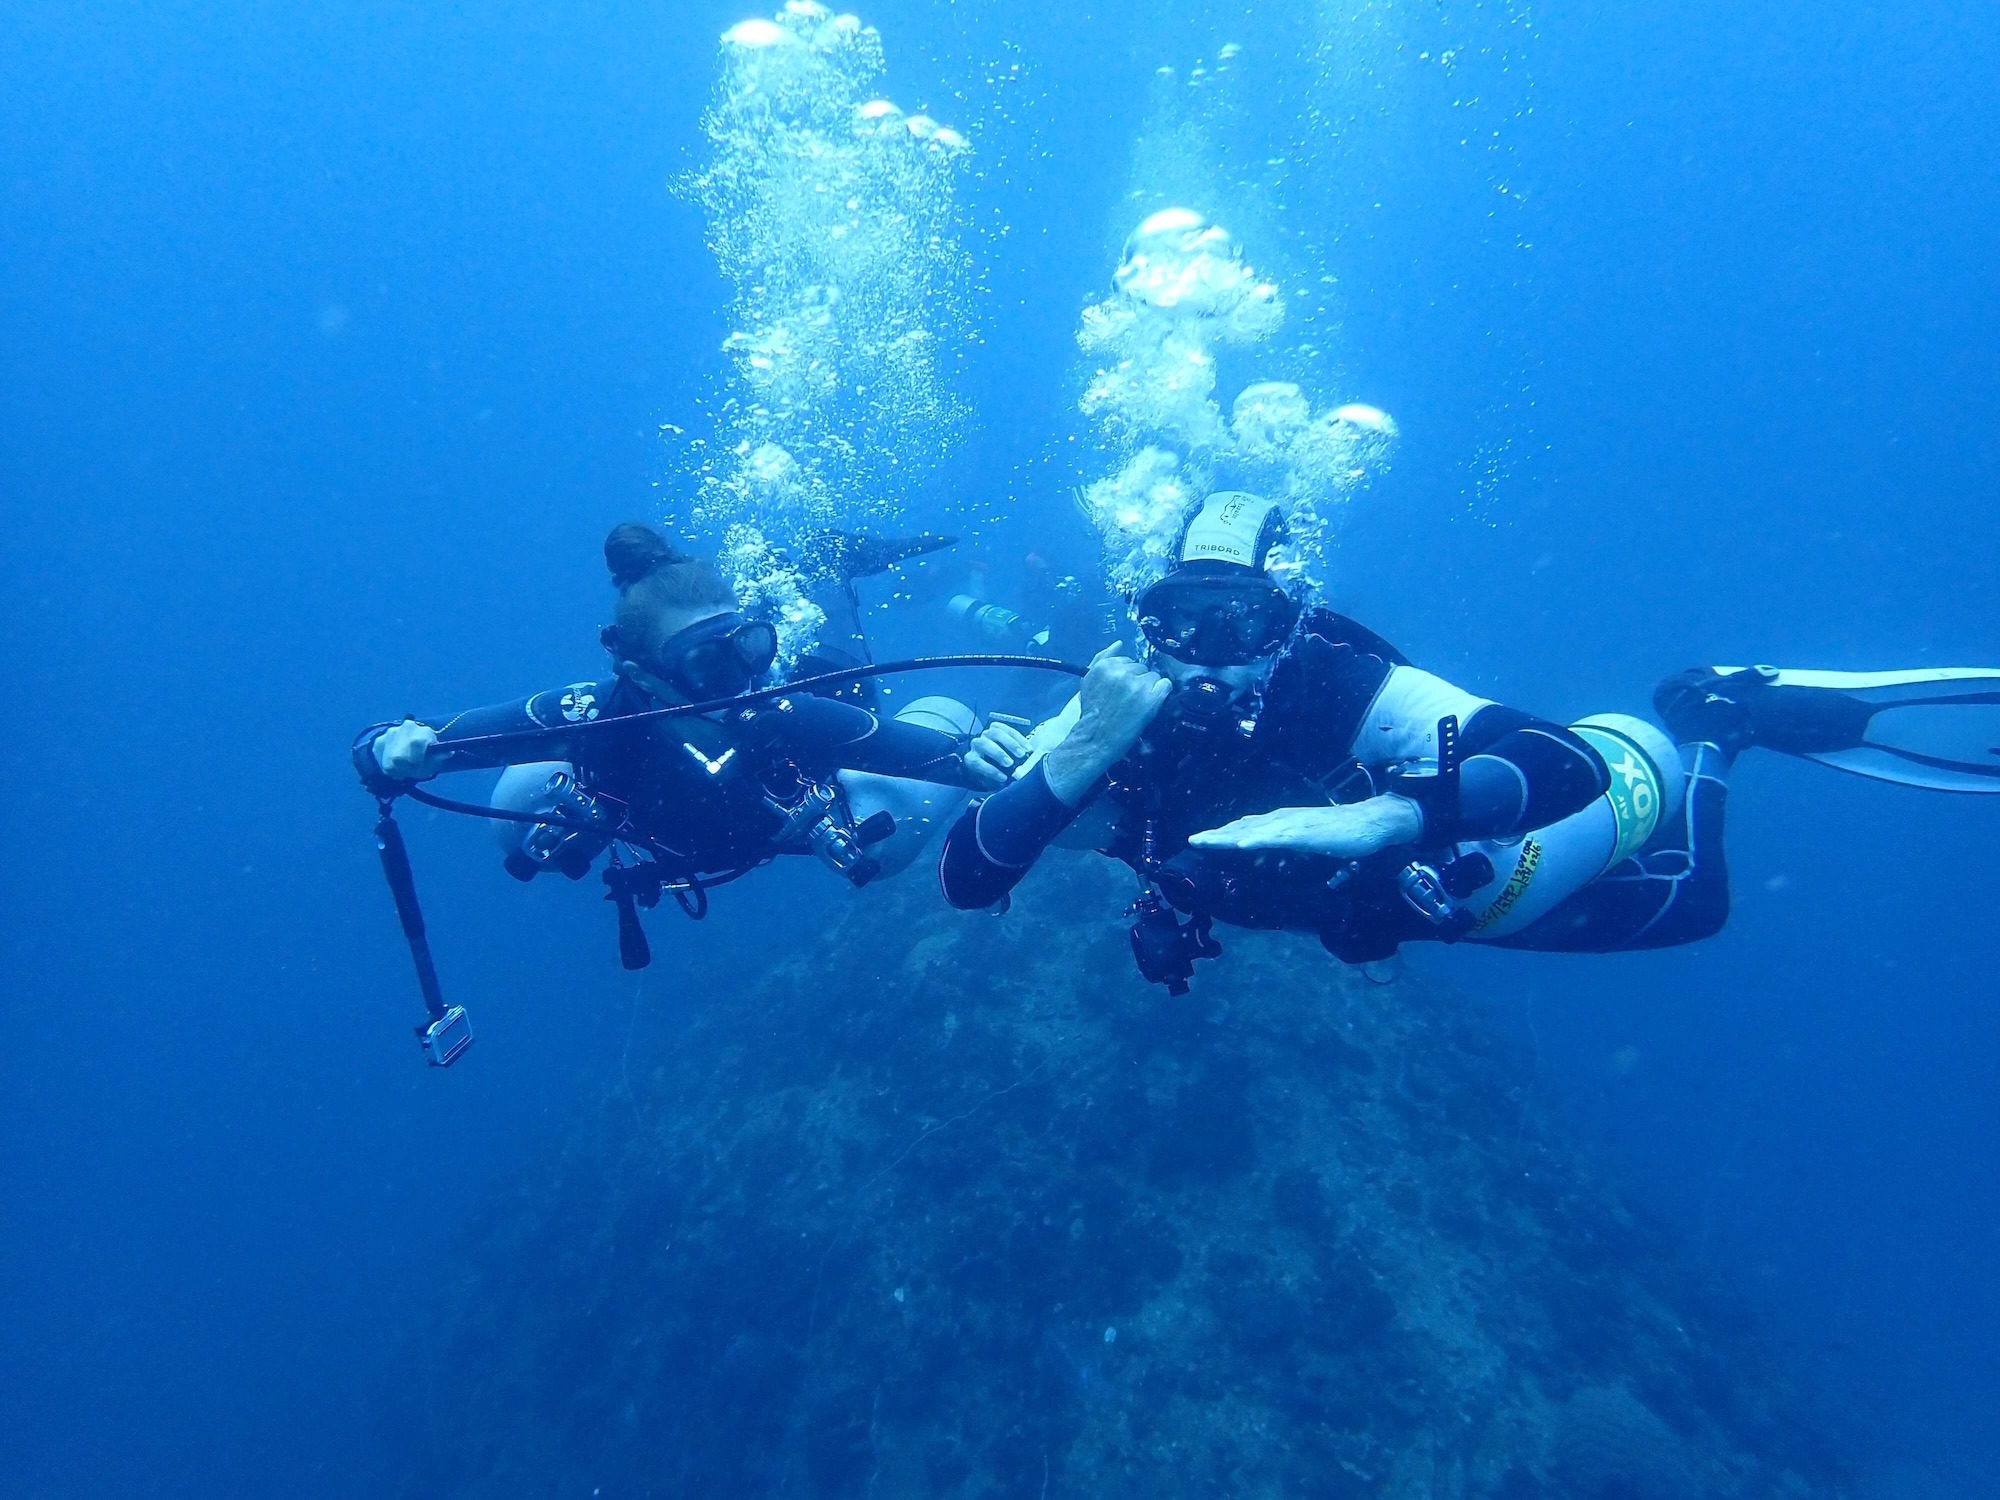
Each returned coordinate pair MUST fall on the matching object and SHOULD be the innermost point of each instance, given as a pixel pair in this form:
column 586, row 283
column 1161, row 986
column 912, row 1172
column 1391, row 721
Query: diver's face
column 1241, row 681
column 639, row 644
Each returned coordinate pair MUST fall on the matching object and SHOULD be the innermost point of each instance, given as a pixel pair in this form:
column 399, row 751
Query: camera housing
column 445, row 1039
column 1164, row 947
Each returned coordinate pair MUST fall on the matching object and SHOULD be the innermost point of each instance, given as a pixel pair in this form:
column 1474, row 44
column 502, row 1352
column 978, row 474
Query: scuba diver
column 1044, row 612
column 829, row 563
column 1272, row 764
column 682, row 761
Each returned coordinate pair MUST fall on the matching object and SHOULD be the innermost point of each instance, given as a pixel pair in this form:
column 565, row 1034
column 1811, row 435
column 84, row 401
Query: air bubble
column 1183, row 290
column 833, row 217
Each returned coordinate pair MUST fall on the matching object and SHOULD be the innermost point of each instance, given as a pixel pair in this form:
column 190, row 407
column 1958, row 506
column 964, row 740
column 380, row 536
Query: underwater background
column 334, row 340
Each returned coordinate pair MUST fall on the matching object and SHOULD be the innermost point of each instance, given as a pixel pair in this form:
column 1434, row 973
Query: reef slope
column 949, row 1206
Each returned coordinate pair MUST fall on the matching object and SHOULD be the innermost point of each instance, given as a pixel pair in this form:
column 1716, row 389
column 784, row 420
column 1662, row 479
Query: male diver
column 711, row 796
column 1273, row 764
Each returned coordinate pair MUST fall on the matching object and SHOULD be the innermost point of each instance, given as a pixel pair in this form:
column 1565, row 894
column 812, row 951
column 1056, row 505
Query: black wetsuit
column 697, row 785
column 1341, row 710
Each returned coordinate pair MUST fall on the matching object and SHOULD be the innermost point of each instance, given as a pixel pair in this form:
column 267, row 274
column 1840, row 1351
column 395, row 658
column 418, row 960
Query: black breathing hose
column 556, row 818
column 631, row 936
column 765, row 695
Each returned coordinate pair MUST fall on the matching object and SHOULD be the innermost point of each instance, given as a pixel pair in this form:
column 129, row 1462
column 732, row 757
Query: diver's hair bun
column 633, row 551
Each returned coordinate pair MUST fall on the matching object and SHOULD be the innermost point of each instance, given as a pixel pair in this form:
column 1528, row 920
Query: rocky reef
column 958, row 1207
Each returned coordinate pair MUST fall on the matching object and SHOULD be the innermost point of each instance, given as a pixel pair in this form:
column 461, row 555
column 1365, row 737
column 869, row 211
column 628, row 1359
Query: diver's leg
column 1734, row 711
column 1931, row 727
column 1676, row 889
column 843, row 641
column 835, row 560
column 1936, row 728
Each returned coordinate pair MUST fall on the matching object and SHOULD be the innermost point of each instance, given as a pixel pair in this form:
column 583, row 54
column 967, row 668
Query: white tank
column 1534, row 872
column 921, row 808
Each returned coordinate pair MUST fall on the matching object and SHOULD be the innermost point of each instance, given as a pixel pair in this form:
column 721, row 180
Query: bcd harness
column 1360, row 909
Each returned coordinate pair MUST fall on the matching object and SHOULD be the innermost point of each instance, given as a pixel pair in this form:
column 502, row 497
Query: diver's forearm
column 995, row 843
column 911, row 751
column 1523, row 773
column 557, row 708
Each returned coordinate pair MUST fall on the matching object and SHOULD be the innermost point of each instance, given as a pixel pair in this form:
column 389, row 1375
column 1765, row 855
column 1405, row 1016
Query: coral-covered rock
column 1606, row 1444
column 942, row 1206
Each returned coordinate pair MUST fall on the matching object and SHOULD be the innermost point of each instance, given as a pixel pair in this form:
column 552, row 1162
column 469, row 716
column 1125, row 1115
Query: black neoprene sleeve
column 995, row 842
column 1520, row 772
column 555, row 708
column 826, row 735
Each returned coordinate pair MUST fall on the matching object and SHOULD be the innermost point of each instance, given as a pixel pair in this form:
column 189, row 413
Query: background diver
column 1275, row 765
column 710, row 796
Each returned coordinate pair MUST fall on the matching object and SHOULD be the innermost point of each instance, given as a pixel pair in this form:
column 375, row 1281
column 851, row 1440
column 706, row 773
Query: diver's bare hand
column 995, row 753
column 1351, row 831
column 651, row 684
column 409, row 751
column 1119, row 698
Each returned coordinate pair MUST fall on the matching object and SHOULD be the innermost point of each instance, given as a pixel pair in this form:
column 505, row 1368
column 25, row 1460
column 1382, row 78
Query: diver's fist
column 1354, row 830
column 1119, row 698
column 409, row 751
column 994, row 755
column 650, row 683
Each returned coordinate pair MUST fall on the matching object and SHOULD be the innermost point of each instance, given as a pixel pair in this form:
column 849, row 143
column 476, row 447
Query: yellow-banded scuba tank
column 1535, row 871
column 996, row 621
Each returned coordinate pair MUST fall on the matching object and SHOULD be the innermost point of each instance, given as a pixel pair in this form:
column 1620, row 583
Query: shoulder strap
column 1342, row 631
column 1322, row 689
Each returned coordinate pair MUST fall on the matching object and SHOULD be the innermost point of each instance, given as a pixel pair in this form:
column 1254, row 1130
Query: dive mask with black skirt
column 718, row 657
column 1227, row 617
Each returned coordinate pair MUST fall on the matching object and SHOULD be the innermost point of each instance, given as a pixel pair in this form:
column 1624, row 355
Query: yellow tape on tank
column 1635, row 785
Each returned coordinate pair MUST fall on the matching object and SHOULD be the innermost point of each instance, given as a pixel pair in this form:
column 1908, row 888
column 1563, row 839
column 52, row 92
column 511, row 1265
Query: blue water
column 332, row 342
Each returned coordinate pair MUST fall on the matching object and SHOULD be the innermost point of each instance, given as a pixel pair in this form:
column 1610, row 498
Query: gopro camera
column 445, row 1039
column 1164, row 947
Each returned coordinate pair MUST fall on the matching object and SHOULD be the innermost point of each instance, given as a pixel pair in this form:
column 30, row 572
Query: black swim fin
column 1934, row 727
column 848, row 555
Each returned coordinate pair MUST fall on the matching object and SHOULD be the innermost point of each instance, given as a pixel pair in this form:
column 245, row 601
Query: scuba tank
column 1490, row 889
column 996, row 622
column 1536, row 871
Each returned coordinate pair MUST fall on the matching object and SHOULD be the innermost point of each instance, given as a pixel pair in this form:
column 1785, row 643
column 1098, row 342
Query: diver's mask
column 717, row 657
column 1216, row 615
